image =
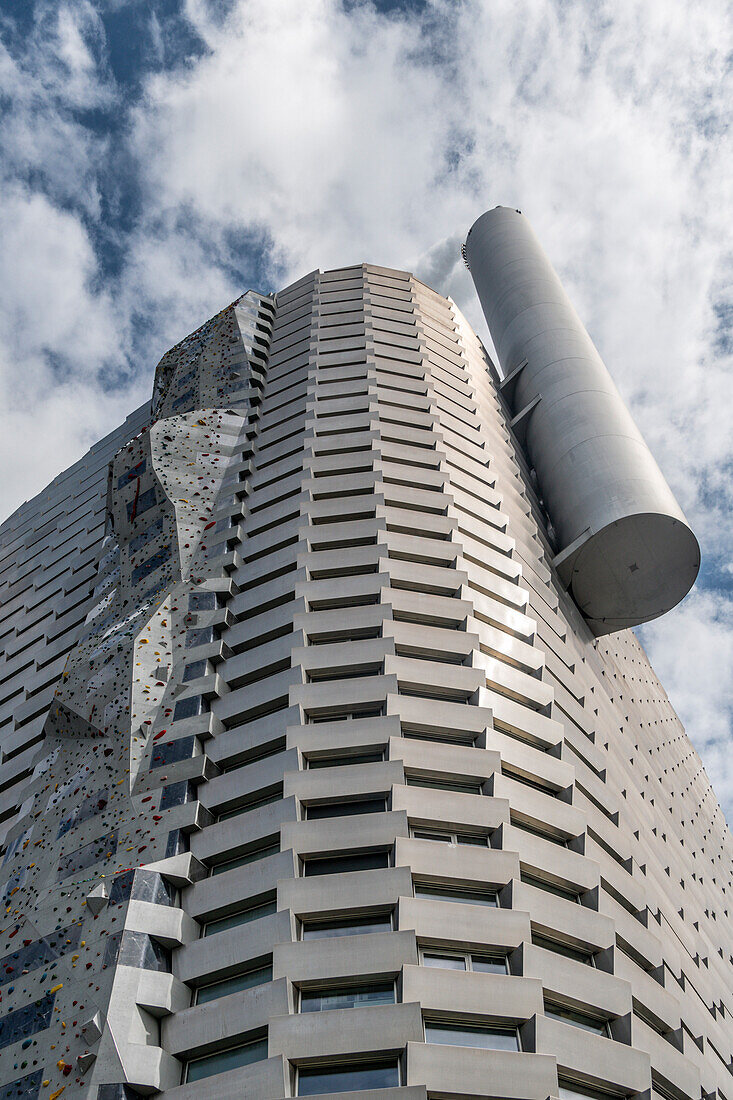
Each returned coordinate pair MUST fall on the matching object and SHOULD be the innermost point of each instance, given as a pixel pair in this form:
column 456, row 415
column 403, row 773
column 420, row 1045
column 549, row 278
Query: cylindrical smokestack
column 625, row 550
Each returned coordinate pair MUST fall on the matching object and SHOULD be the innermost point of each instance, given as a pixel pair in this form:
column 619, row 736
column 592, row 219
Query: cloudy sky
column 161, row 156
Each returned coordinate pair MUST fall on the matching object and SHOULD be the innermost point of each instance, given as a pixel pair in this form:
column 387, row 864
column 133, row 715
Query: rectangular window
column 336, row 865
column 453, row 893
column 343, row 761
column 195, row 670
column 26, row 1021
column 346, row 809
column 577, row 1019
column 244, row 916
column 263, row 800
column 88, row 855
column 348, row 1078
column 177, row 794
column 235, row 984
column 130, row 475
column 549, row 887
column 459, row 1035
column 142, row 885
column 443, row 784
column 185, row 399
column 23, row 1088
column 447, row 837
column 223, row 1060
column 160, row 557
column 248, row 857
column 202, row 601
column 92, row 805
column 188, row 377
column 455, row 960
column 347, row 926
column 203, row 636
column 170, row 752
column 322, row 1000
column 138, row 949
column 535, row 831
column 141, row 503
column 190, row 708
column 146, row 536
column 565, row 949
column 39, row 953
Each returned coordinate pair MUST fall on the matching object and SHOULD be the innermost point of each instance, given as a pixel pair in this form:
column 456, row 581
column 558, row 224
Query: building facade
column 330, row 766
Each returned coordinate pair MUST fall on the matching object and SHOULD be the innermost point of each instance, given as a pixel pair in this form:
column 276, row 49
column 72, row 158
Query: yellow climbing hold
column 55, row 988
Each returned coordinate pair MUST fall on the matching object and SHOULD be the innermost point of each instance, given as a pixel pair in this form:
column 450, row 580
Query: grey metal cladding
column 623, row 545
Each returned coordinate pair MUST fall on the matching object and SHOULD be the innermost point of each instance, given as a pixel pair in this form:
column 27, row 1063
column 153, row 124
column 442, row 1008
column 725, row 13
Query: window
column 195, row 670
column 184, row 399
column 170, row 752
column 39, row 953
column 519, row 777
column 349, row 1078
column 177, row 794
column 190, row 708
column 343, row 761
column 141, row 885
column 460, row 1035
column 203, row 636
column 26, row 1021
column 222, row 1060
column 26, row 1087
column 253, row 804
column 443, row 784
column 140, row 503
column 577, row 1019
column 130, row 475
column 450, row 837
column 160, row 557
column 347, row 926
column 570, row 1091
column 234, row 984
column 345, row 716
column 322, row 1000
column 89, row 807
column 456, row 893
column 244, row 916
column 451, row 737
column 576, row 953
column 336, row 865
column 138, row 949
column 248, row 857
column 89, row 854
column 536, row 831
column 151, row 532
column 202, row 601
column 550, row 888
column 346, row 809
column 460, row 960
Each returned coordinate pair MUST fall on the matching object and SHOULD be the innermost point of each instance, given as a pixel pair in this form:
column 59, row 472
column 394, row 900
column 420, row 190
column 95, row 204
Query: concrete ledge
column 464, row 1073
column 304, row 1037
column 266, row 1078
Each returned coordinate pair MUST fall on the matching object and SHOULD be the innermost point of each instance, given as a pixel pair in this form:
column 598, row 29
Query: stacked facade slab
column 339, row 793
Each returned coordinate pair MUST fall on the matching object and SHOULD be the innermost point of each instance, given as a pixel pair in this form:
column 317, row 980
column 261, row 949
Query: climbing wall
column 111, row 798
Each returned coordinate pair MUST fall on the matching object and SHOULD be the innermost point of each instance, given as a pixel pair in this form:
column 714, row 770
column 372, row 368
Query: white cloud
column 56, row 334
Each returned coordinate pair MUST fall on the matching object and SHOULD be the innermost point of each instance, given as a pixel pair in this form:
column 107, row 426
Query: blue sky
column 161, row 156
